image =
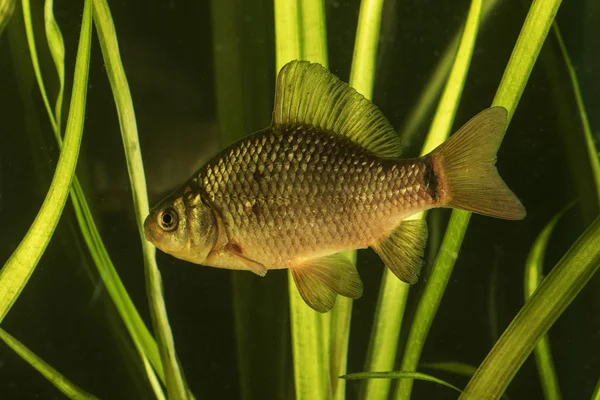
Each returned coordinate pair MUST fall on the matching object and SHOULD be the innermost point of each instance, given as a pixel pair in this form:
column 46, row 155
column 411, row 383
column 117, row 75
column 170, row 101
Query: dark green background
column 65, row 316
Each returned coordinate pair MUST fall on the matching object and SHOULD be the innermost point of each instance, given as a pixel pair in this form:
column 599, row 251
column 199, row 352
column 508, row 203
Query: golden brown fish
column 324, row 178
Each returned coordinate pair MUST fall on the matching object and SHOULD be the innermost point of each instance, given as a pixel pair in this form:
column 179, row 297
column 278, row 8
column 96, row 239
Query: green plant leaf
column 386, row 326
column 440, row 274
column 21, row 264
column 509, row 93
column 57, row 50
column 426, row 102
column 143, row 340
column 402, row 375
column 310, row 330
column 63, row 384
column 175, row 381
column 532, row 278
column 362, row 78
column 455, row 367
column 546, row 304
column 586, row 168
column 7, row 9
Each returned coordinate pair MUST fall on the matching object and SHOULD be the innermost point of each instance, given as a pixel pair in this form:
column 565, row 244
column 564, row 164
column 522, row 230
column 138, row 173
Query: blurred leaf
column 7, row 8
column 546, row 304
column 455, row 367
column 399, row 375
column 244, row 83
column 580, row 148
column 533, row 276
column 426, row 102
column 57, row 50
column 58, row 380
column 175, row 381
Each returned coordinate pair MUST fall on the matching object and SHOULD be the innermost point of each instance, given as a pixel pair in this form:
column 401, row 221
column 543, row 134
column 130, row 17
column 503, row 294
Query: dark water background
column 65, row 316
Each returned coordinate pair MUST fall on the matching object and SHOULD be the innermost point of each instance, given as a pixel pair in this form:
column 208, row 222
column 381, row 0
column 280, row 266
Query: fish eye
column 167, row 219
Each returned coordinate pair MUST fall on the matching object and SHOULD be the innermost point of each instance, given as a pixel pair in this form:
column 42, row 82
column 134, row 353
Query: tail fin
column 465, row 167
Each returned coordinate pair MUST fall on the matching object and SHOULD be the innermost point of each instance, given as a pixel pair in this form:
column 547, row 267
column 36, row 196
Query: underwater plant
column 72, row 302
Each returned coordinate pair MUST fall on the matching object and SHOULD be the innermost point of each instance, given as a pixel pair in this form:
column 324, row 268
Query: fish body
column 322, row 179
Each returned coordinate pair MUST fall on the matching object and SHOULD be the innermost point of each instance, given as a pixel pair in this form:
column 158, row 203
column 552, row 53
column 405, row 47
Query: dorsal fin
column 308, row 94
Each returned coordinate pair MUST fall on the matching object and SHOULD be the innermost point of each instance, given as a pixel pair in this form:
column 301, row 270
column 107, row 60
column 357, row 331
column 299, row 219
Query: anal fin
column 319, row 280
column 402, row 251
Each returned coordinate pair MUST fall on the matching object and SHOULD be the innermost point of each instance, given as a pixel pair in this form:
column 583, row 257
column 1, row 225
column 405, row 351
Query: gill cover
column 183, row 226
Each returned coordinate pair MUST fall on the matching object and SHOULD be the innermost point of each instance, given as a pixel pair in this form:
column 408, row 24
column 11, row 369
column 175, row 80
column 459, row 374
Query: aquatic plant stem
column 142, row 339
column 440, row 274
column 21, row 264
column 532, row 279
column 497, row 370
column 313, row 47
column 546, row 304
column 362, row 76
column 593, row 157
column 58, row 380
column 393, row 293
column 425, row 103
column 175, row 381
column 311, row 363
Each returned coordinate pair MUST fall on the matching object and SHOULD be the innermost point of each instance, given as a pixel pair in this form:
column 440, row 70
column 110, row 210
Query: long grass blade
column 311, row 375
column 546, row 304
column 533, row 277
column 313, row 47
column 386, row 326
column 438, row 132
column 426, row 102
column 402, row 375
column 593, row 159
column 57, row 379
column 26, row 7
column 57, row 50
column 243, row 93
column 508, row 95
column 143, row 340
column 19, row 267
column 175, row 381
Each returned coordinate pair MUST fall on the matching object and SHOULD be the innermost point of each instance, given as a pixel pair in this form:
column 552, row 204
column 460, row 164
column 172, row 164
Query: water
column 65, row 316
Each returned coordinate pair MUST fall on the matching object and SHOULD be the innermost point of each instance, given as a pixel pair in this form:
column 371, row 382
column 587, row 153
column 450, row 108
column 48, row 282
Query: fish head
column 183, row 226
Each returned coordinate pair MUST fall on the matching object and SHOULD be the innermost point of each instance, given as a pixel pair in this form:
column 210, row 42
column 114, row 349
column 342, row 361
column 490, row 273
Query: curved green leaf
column 546, row 304
column 19, row 267
column 175, row 381
column 400, row 375
column 533, row 276
column 63, row 384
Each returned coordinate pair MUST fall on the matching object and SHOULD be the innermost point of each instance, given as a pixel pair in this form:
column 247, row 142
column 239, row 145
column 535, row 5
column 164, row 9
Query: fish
column 325, row 177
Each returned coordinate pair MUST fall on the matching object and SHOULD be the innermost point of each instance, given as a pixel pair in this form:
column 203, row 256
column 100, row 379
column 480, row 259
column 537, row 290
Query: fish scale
column 261, row 208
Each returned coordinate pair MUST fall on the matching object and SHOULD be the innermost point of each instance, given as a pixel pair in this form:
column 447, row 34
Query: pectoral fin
column 235, row 251
column 319, row 280
column 402, row 251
